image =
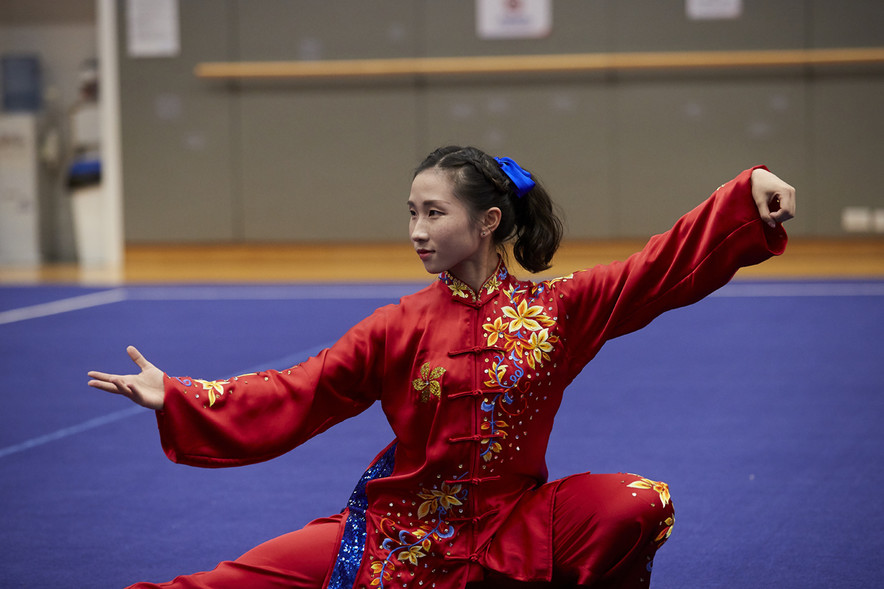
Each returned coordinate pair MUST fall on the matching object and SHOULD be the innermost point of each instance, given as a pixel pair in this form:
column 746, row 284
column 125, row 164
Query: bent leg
column 607, row 528
column 297, row 560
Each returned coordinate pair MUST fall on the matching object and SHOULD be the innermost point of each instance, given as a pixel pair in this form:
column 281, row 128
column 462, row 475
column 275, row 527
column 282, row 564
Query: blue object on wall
column 22, row 83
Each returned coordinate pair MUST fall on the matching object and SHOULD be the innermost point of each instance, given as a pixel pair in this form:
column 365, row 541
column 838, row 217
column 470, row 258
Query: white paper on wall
column 713, row 9
column 513, row 19
column 153, row 28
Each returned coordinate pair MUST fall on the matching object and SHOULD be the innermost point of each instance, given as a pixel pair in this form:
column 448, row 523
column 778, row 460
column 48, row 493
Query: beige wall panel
column 848, row 144
column 320, row 29
column 677, row 141
column 325, row 165
column 846, row 23
column 663, row 25
column 624, row 154
column 176, row 135
column 560, row 131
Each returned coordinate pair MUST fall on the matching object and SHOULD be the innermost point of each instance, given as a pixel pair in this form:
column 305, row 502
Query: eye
column 434, row 213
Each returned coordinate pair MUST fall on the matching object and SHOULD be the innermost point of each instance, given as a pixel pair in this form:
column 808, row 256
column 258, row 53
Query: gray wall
column 624, row 154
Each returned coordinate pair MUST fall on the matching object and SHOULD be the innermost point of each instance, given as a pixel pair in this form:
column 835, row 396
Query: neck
column 475, row 272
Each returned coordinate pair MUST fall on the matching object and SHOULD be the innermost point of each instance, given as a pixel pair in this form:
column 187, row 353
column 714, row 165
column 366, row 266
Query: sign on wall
column 152, row 28
column 513, row 19
column 713, row 9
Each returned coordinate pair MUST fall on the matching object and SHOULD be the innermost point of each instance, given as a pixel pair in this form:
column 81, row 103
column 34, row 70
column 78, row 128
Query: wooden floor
column 811, row 259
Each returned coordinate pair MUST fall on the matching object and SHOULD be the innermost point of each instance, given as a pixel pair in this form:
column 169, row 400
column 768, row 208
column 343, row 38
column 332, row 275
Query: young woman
column 470, row 372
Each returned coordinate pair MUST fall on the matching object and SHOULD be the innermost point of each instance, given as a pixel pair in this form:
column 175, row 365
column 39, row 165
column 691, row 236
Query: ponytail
column 529, row 220
column 538, row 230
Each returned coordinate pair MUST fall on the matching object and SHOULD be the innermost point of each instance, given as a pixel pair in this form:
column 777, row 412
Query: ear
column 490, row 219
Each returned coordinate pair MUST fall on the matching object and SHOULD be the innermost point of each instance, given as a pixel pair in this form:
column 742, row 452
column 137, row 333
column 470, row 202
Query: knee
column 648, row 494
column 605, row 524
column 651, row 506
column 615, row 503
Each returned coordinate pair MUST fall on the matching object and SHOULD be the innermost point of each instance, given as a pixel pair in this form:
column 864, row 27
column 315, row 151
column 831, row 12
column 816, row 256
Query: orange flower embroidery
column 428, row 384
column 381, row 574
column 496, row 330
column 661, row 488
column 413, row 553
column 523, row 316
column 436, row 499
column 538, row 347
column 212, row 387
column 665, row 532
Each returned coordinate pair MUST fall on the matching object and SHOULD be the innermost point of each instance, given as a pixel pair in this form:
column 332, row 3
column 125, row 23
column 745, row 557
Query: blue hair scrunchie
column 520, row 177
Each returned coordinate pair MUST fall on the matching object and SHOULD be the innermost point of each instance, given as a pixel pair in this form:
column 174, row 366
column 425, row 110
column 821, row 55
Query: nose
column 417, row 230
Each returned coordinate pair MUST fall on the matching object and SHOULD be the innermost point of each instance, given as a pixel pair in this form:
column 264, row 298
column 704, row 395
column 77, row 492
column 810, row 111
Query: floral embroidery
column 213, row 387
column 436, row 500
column 661, row 488
column 494, row 427
column 497, row 371
column 538, row 347
column 461, row 289
column 497, row 429
column 524, row 332
column 526, row 335
column 428, row 384
column 666, row 531
column 495, row 330
column 491, row 284
column 523, row 317
column 407, row 547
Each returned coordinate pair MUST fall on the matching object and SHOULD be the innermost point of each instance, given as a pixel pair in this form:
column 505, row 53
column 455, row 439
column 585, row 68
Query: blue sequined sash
column 353, row 541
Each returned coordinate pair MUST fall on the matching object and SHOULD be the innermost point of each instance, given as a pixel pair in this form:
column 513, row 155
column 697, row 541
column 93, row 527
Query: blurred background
column 117, row 153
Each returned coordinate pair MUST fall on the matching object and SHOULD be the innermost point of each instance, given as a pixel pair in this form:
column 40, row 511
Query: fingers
column 787, row 203
column 774, row 198
column 110, row 383
column 764, row 212
column 136, row 356
column 102, row 386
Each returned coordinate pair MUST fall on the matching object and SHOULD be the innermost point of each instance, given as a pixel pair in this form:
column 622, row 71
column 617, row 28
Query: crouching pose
column 470, row 372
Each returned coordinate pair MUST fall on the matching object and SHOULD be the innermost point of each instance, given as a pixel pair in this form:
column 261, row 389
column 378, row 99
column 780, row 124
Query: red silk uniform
column 470, row 383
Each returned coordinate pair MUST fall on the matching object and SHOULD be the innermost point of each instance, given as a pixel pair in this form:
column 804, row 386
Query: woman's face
column 442, row 229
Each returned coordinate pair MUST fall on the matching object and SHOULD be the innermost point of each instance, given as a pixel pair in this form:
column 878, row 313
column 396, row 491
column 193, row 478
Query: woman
column 470, row 372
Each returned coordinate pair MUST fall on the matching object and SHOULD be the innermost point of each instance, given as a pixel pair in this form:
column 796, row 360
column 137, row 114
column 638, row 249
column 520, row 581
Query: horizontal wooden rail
column 524, row 64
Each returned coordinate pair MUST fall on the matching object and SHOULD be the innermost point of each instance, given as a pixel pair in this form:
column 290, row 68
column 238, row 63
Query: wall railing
column 537, row 64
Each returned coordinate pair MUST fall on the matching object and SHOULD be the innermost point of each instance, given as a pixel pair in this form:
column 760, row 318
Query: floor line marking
column 70, row 431
column 273, row 292
column 86, row 301
column 281, row 363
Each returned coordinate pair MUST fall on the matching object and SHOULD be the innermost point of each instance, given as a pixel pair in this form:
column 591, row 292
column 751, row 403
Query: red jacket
column 470, row 383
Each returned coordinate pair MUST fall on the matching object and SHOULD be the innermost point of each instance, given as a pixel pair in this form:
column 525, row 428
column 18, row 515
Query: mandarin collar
column 461, row 290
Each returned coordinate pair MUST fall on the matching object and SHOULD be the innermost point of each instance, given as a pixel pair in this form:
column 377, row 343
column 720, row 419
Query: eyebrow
column 428, row 203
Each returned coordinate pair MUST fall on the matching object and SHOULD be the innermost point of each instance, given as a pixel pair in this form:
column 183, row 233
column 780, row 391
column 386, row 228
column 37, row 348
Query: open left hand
column 145, row 388
column 774, row 198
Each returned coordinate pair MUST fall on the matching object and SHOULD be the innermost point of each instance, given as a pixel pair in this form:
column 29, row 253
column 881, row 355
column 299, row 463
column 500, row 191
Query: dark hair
column 481, row 184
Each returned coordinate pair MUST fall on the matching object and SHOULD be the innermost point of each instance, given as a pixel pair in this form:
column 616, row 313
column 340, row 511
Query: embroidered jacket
column 470, row 383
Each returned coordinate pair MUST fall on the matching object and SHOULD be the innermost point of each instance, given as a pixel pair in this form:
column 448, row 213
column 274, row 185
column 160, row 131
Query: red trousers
column 606, row 530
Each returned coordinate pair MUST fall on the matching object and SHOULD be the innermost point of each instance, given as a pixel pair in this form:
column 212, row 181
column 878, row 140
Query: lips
column 424, row 254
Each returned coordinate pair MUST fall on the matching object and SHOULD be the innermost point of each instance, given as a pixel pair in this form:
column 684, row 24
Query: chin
column 431, row 269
